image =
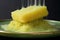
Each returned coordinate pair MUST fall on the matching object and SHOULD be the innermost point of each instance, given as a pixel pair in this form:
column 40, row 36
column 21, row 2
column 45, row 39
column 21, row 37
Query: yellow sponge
column 30, row 13
column 13, row 25
column 34, row 26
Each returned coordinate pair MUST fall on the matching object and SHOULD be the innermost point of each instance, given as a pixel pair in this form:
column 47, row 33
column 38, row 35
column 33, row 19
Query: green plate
column 56, row 24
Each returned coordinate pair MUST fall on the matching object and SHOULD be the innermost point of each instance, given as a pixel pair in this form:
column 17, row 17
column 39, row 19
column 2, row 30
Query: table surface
column 4, row 37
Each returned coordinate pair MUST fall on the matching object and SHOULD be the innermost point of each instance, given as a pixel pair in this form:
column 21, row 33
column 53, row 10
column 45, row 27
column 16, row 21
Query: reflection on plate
column 56, row 24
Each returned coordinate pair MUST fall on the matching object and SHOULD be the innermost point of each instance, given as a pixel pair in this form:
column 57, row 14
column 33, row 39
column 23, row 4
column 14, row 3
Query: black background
column 7, row 6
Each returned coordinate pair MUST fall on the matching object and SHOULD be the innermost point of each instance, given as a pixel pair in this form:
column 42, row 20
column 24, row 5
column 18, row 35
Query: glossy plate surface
column 56, row 24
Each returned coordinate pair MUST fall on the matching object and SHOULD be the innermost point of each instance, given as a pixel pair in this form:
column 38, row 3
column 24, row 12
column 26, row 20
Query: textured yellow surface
column 30, row 13
column 34, row 26
column 30, row 19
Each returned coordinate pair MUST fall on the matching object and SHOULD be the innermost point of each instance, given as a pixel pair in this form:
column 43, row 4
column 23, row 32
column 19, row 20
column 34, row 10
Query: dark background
column 7, row 6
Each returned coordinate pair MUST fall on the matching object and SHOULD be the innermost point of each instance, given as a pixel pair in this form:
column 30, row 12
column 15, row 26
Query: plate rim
column 55, row 32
